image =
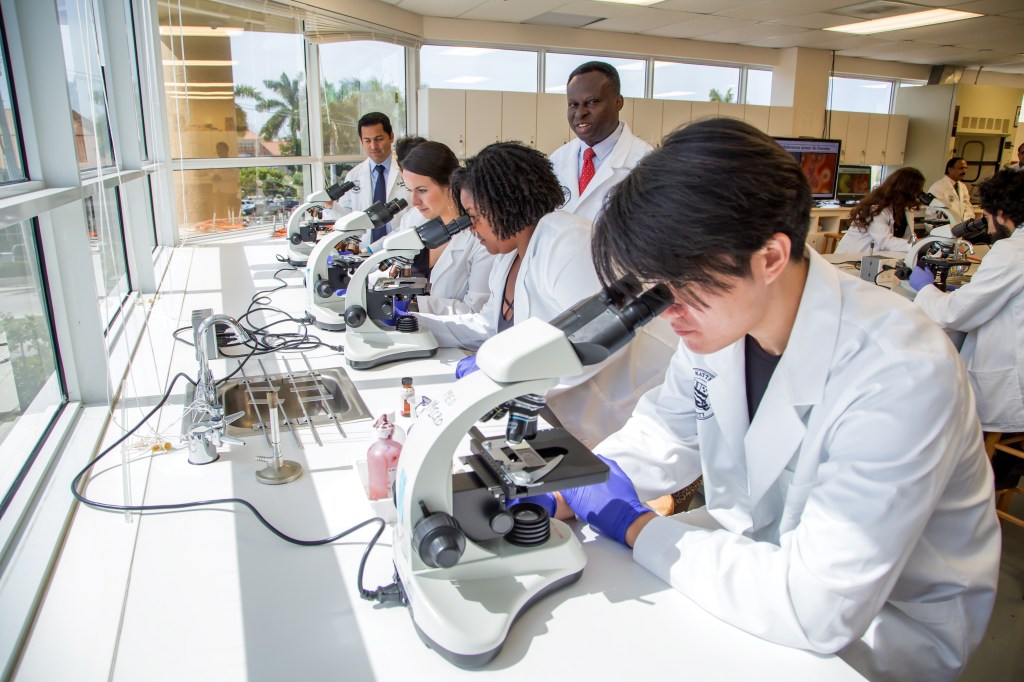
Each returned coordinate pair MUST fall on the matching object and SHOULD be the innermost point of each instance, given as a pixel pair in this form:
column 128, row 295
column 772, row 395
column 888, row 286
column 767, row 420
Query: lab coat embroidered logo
column 567, row 194
column 701, row 377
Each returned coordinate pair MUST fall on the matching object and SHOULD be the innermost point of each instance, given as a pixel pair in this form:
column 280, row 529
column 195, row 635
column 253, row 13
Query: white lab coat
column 878, row 232
column 459, row 280
column 628, row 151
column 360, row 197
column 990, row 308
column 957, row 199
column 556, row 273
column 855, row 514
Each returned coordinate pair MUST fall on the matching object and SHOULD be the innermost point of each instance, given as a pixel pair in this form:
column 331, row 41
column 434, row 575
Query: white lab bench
column 210, row 594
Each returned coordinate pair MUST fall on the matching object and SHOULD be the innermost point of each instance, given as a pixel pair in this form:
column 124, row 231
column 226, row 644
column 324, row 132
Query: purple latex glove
column 467, row 365
column 921, row 277
column 610, row 507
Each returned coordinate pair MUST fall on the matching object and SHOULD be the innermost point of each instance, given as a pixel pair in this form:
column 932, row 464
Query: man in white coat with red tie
column 605, row 149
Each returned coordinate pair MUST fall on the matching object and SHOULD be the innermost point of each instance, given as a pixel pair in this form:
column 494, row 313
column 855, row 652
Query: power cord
column 392, row 593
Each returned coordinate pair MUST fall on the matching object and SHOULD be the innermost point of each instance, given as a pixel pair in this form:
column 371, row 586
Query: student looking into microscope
column 849, row 504
column 990, row 308
column 542, row 267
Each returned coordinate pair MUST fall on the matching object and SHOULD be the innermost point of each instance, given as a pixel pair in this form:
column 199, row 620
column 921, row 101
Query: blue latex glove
column 921, row 277
column 401, row 309
column 467, row 365
column 609, row 507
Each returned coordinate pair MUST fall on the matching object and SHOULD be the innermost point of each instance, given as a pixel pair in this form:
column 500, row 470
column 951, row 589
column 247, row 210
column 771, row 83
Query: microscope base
column 363, row 351
column 297, row 256
column 327, row 319
column 465, row 612
column 295, row 263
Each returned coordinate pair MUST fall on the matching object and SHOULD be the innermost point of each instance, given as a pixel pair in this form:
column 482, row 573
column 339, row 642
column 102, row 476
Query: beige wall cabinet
column 896, row 140
column 647, row 120
column 519, row 113
column 780, row 121
column 552, row 124
column 442, row 117
column 483, row 119
column 757, row 116
column 675, row 113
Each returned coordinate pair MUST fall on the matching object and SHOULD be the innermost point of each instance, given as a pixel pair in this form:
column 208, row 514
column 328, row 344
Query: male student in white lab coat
column 850, row 507
column 377, row 178
column 604, row 150
column 990, row 308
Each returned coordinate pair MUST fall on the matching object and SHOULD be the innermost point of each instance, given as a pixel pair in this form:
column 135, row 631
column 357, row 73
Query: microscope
column 468, row 562
column 369, row 339
column 302, row 235
column 328, row 271
column 944, row 252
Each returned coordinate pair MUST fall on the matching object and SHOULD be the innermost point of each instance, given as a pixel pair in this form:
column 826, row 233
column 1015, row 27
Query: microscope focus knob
column 323, row 289
column 295, row 238
column 355, row 316
column 438, row 540
column 502, row 522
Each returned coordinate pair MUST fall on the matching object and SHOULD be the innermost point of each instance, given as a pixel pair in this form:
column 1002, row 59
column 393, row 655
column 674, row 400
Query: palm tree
column 286, row 110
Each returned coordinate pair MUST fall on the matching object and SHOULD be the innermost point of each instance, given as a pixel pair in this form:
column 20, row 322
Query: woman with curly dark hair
column 881, row 218
column 543, row 267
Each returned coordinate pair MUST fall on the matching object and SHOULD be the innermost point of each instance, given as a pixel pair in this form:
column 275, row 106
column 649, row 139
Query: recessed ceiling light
column 904, row 21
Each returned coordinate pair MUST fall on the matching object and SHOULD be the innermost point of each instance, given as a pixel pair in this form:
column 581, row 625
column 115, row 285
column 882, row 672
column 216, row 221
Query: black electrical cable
column 80, row 496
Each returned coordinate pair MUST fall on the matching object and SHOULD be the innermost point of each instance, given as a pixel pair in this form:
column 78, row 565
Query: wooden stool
column 1010, row 443
column 831, row 240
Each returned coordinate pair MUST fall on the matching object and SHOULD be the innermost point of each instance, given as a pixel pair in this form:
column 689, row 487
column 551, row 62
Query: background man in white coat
column 604, row 150
column 990, row 308
column 950, row 190
column 377, row 177
column 849, row 501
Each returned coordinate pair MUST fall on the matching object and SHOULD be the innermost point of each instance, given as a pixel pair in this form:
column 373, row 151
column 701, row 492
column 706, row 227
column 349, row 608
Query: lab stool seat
column 829, row 241
column 1009, row 443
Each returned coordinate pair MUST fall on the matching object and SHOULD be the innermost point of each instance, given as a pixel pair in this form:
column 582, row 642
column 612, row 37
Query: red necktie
column 587, row 174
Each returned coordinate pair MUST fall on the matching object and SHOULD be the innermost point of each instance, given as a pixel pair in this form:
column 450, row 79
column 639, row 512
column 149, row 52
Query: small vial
column 408, row 396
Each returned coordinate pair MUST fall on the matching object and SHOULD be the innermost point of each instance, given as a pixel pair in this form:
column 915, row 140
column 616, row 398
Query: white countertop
column 209, row 594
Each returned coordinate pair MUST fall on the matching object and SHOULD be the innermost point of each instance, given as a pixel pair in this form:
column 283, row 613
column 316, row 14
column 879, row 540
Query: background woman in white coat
column 849, row 500
column 990, row 308
column 458, row 271
column 881, row 220
column 542, row 268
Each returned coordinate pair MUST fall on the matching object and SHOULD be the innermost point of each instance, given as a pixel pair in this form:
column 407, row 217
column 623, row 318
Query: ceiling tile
column 769, row 10
column 698, row 27
column 520, row 10
column 991, row 6
column 432, row 8
column 639, row 21
column 816, row 20
column 703, row 6
column 872, row 50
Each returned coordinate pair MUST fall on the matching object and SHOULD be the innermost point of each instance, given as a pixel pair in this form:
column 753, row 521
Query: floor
column 1000, row 658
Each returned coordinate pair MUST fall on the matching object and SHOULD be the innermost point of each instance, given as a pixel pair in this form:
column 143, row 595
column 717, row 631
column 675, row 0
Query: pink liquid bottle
column 382, row 459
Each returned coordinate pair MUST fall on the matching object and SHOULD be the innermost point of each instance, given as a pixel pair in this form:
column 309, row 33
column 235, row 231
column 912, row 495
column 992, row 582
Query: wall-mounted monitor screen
column 819, row 160
column 853, row 183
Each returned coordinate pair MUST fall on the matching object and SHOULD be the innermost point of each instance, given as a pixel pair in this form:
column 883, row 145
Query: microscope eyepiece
column 970, row 228
column 336, row 191
column 435, row 233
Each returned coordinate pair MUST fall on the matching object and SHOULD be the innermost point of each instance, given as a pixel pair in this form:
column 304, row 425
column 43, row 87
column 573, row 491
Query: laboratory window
column 356, row 78
column 696, row 82
column 141, row 133
column 478, row 68
column 106, row 242
column 759, row 87
column 84, row 63
column 859, row 94
column 12, row 161
column 31, row 387
column 558, row 66
column 235, row 86
column 224, row 199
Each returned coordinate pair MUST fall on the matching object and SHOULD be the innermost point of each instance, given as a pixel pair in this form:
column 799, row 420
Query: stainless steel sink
column 306, row 400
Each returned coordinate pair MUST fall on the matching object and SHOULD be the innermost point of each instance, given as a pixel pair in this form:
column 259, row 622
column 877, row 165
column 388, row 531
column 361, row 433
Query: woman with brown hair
column 881, row 221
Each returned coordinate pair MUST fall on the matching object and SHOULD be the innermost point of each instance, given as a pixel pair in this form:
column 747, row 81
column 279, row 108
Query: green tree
column 285, row 107
column 31, row 354
column 716, row 96
column 345, row 101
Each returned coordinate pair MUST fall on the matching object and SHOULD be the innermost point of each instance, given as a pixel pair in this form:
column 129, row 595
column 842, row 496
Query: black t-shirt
column 760, row 366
